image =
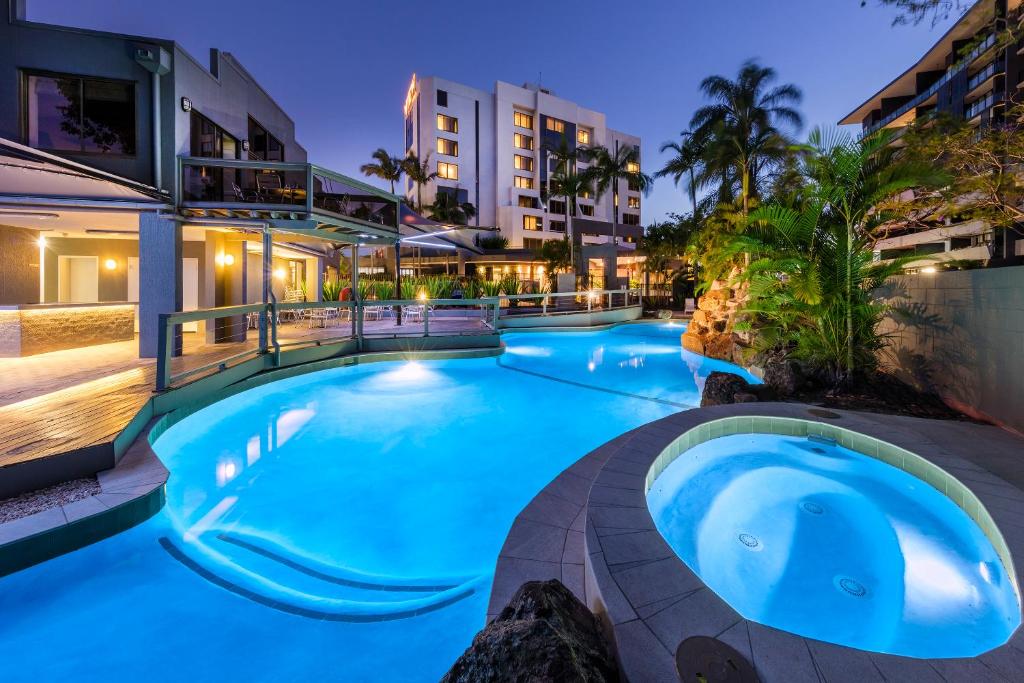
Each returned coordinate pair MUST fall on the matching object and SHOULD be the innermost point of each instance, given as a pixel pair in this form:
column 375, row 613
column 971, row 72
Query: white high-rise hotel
column 490, row 150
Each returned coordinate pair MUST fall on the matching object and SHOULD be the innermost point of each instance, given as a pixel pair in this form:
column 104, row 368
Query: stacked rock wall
column 711, row 331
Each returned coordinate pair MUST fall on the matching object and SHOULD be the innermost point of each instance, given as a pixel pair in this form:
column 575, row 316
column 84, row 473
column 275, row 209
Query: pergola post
column 268, row 274
column 355, row 312
column 398, row 280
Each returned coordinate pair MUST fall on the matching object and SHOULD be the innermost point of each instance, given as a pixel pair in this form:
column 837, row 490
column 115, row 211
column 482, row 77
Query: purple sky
column 341, row 68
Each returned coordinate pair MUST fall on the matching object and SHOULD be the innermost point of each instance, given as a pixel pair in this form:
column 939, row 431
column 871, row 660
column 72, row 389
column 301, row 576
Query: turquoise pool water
column 341, row 525
column 822, row 541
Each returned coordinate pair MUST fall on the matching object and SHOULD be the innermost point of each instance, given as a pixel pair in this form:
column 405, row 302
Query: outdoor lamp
column 279, row 273
column 110, row 264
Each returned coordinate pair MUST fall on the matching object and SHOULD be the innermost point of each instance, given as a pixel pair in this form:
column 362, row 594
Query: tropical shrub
column 490, row 287
column 331, row 290
column 493, row 242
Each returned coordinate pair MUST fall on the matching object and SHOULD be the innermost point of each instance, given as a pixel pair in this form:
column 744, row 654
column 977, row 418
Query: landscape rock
column 544, row 634
column 721, row 388
column 719, row 346
column 692, row 342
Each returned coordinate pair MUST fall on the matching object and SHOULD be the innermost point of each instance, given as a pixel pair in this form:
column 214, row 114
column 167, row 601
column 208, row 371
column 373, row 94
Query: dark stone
column 720, row 388
column 543, row 634
column 744, row 397
column 783, row 376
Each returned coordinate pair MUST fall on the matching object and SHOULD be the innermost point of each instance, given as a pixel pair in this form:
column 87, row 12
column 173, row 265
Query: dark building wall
column 19, row 269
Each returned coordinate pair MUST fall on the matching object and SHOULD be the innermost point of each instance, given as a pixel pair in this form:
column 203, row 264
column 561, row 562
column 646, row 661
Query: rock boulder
column 543, row 634
column 721, row 388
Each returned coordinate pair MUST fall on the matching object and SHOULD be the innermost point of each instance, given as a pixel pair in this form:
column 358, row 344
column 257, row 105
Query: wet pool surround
column 650, row 601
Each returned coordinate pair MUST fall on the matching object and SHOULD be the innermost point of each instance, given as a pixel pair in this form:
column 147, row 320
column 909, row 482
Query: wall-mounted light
column 245, row 145
column 41, row 241
column 186, row 104
column 38, row 215
column 229, row 260
column 110, row 264
column 279, row 273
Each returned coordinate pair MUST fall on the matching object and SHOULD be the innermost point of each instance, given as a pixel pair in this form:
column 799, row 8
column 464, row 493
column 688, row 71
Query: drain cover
column 749, row 540
column 851, row 586
column 812, row 508
column 707, row 660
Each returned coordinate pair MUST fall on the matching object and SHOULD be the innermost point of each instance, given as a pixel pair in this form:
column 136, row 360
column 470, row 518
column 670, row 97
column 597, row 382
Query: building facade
column 139, row 108
column 974, row 72
column 491, row 149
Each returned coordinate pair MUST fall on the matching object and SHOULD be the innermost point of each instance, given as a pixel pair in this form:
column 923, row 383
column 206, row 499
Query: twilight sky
column 341, row 68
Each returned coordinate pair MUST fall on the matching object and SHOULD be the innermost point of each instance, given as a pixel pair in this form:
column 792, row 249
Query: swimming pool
column 341, row 524
column 809, row 537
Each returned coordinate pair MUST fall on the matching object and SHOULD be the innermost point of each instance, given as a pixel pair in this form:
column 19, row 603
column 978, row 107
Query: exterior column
column 265, row 282
column 355, row 285
column 398, row 280
column 159, row 278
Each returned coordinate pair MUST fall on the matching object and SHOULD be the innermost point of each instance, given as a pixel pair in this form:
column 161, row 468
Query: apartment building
column 973, row 72
column 491, row 149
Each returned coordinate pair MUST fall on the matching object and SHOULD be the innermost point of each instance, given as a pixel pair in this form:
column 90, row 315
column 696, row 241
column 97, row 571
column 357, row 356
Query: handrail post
column 165, row 346
column 358, row 311
column 273, row 332
column 426, row 320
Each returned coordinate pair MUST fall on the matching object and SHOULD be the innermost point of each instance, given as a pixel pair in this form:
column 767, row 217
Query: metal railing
column 563, row 303
column 233, row 334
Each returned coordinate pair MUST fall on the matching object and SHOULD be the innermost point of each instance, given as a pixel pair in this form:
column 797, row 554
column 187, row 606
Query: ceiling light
column 38, row 215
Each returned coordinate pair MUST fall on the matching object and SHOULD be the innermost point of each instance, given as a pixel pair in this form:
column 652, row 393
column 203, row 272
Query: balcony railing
column 988, row 72
column 981, row 105
column 916, row 101
column 281, row 186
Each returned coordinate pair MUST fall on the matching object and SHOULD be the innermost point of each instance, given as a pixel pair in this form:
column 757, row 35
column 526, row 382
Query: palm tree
column 686, row 159
column 812, row 271
column 387, row 167
column 608, row 167
column 570, row 184
column 419, row 172
column 739, row 131
column 447, row 209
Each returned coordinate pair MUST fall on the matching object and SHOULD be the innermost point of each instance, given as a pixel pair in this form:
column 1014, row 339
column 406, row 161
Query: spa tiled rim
column 901, row 458
column 133, row 490
column 650, row 601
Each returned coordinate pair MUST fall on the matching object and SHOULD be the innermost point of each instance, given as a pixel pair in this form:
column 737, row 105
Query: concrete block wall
column 961, row 334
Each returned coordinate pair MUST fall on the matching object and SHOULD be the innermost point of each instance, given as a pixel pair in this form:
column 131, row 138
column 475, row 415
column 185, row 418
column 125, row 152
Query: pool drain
column 851, row 586
column 812, row 508
column 749, row 540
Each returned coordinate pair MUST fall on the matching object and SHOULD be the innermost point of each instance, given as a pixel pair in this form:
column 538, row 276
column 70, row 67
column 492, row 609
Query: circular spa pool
column 809, row 537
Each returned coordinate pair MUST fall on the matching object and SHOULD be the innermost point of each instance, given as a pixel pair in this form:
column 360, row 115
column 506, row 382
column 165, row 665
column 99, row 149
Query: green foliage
column 495, row 241
column 812, row 271
column 511, row 284
column 556, row 257
column 447, row 209
column 470, row 288
column 385, row 167
column 383, row 289
column 490, row 287
column 332, row 290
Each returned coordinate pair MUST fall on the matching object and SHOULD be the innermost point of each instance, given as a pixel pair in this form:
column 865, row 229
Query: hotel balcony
column 295, row 196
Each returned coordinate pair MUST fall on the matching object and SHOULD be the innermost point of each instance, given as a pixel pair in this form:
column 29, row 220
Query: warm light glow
column 219, row 259
column 928, row 269
column 229, row 260
column 279, row 273
column 594, row 296
column 410, row 96
column 41, row 241
column 422, row 296
column 110, row 264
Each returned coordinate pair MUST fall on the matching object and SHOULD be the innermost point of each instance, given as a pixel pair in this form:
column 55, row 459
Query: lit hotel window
column 448, row 124
column 527, row 202
column 532, row 223
column 556, row 125
column 447, row 147
column 523, row 141
column 447, row 171
column 585, row 194
column 524, row 183
column 523, row 163
column 586, row 209
column 633, row 167
column 583, row 136
column 522, row 120
column 634, row 202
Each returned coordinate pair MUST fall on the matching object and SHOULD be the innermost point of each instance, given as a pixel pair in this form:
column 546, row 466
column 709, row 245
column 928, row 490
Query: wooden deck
column 71, row 405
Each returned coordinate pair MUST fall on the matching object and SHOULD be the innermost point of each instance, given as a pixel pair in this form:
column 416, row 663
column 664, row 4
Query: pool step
column 281, row 578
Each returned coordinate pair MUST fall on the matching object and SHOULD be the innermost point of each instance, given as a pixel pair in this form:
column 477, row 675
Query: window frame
column 633, row 202
column 455, row 124
column 448, row 166
column 23, row 122
column 516, row 137
column 538, row 222
column 454, row 145
column 441, row 95
column 631, row 216
column 521, row 162
column 580, row 133
column 519, row 179
column 559, row 122
column 516, row 114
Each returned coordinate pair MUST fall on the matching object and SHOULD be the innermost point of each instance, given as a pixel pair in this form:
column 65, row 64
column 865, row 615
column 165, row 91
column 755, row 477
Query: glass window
column 210, row 140
column 262, row 145
column 586, row 194
column 523, row 120
column 557, row 125
column 532, row 223
column 556, row 226
column 634, row 203
column 442, row 98
column 527, row 202
column 447, row 171
column 522, row 141
column 523, row 163
column 532, row 243
column 583, row 136
column 448, row 124
column 633, row 167
column 633, row 185
column 447, row 147
column 524, row 183
column 556, row 206
column 630, row 219
column 66, row 113
column 587, row 209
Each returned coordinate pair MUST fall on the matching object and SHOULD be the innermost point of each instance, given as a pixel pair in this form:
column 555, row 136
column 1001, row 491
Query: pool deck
column 63, row 410
column 591, row 529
